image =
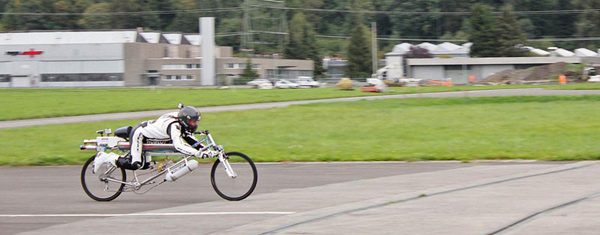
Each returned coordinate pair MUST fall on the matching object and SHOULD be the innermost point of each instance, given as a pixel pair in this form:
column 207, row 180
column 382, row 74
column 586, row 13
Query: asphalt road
column 57, row 190
column 497, row 197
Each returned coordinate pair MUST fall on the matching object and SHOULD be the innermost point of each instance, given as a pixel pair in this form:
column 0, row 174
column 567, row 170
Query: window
column 173, row 66
column 179, row 77
column 82, row 77
column 4, row 78
column 181, row 66
column 457, row 67
column 240, row 66
column 193, row 66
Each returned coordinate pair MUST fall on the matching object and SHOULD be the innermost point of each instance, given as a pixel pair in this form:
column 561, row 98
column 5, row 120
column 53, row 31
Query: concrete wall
column 427, row 72
column 488, row 70
column 136, row 55
column 266, row 64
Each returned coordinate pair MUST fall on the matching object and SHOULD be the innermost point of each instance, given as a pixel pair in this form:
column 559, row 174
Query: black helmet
column 188, row 118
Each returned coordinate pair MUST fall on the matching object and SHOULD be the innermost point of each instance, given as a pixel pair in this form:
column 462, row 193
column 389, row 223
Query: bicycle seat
column 123, row 132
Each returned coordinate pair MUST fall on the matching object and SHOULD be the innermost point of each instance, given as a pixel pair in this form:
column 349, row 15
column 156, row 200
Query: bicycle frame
column 162, row 150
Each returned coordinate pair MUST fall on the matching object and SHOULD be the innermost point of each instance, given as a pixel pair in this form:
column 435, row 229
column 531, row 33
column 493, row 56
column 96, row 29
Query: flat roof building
column 125, row 58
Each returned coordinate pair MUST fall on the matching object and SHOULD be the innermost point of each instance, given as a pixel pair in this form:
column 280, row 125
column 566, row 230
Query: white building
column 453, row 61
column 127, row 58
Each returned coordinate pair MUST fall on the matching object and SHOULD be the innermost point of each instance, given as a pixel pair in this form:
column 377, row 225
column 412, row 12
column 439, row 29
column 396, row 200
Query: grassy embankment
column 545, row 128
column 40, row 103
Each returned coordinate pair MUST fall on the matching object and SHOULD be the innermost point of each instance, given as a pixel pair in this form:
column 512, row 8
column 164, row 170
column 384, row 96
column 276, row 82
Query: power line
column 256, row 7
column 254, row 32
column 548, row 12
column 210, row 10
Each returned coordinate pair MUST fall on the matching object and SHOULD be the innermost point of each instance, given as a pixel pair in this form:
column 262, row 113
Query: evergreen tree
column 249, row 73
column 302, row 43
column 482, row 33
column 309, row 42
column 295, row 48
column 509, row 34
column 587, row 25
column 359, row 53
column 564, row 23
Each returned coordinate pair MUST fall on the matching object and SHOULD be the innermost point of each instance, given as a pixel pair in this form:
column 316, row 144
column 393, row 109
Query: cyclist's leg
column 136, row 143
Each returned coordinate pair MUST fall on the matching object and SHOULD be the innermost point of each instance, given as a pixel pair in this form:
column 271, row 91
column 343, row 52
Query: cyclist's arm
column 192, row 141
column 178, row 142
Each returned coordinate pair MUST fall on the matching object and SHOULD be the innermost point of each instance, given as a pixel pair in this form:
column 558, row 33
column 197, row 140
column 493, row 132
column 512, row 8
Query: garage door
column 20, row 82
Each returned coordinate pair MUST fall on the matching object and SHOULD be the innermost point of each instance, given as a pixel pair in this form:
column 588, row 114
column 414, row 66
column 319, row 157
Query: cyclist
column 178, row 127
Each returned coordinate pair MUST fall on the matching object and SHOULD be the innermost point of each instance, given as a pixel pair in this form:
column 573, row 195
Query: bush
column 345, row 84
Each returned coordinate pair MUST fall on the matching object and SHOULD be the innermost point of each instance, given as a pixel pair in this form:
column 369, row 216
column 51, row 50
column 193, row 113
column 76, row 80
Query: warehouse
column 450, row 61
column 128, row 58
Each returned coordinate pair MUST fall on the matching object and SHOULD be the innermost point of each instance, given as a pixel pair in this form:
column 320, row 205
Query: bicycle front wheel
column 98, row 186
column 238, row 187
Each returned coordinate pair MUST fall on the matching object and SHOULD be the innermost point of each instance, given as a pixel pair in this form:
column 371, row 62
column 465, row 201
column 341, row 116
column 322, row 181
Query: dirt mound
column 519, row 76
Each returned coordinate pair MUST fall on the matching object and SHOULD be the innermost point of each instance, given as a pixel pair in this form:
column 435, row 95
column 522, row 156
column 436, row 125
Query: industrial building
column 452, row 61
column 125, row 58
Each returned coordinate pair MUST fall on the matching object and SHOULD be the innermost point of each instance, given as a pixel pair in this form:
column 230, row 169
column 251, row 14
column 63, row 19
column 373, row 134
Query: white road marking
column 153, row 214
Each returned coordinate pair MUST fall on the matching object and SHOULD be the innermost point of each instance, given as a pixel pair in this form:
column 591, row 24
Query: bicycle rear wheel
column 97, row 186
column 234, row 188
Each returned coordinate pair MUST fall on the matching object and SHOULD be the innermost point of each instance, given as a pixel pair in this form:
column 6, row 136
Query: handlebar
column 204, row 132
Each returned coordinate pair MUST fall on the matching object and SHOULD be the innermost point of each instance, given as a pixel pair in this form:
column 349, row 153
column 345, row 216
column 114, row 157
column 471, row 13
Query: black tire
column 234, row 189
column 94, row 186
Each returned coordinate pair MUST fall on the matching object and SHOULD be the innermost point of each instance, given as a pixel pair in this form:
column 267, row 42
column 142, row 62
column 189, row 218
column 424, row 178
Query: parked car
column 306, row 82
column 265, row 85
column 258, row 81
column 282, row 84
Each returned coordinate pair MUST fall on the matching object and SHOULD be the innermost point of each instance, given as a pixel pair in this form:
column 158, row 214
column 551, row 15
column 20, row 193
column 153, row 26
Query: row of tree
column 495, row 26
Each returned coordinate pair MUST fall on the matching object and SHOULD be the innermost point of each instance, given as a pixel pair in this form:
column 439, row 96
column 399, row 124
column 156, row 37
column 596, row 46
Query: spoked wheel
column 238, row 187
column 97, row 186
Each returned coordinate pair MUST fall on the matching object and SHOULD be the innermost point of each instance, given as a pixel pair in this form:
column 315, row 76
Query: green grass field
column 40, row 103
column 544, row 128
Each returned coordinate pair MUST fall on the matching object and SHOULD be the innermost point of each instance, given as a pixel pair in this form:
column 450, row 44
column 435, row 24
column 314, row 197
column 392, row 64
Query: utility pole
column 246, row 34
column 374, row 47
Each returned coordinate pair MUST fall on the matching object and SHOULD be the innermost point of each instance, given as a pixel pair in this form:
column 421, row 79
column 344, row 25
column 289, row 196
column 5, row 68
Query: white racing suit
column 165, row 128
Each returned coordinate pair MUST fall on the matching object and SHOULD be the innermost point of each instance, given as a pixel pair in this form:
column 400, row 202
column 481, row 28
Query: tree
column 28, row 21
column 587, row 25
column 96, row 21
column 302, row 43
column 359, row 53
column 231, row 25
column 249, row 73
column 309, row 41
column 125, row 20
column 543, row 24
column 185, row 21
column 419, row 25
column 482, row 32
column 295, row 49
column 418, row 52
column 509, row 34
column 564, row 24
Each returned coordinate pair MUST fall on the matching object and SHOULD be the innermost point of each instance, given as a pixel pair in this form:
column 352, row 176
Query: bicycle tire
column 239, row 188
column 88, row 177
